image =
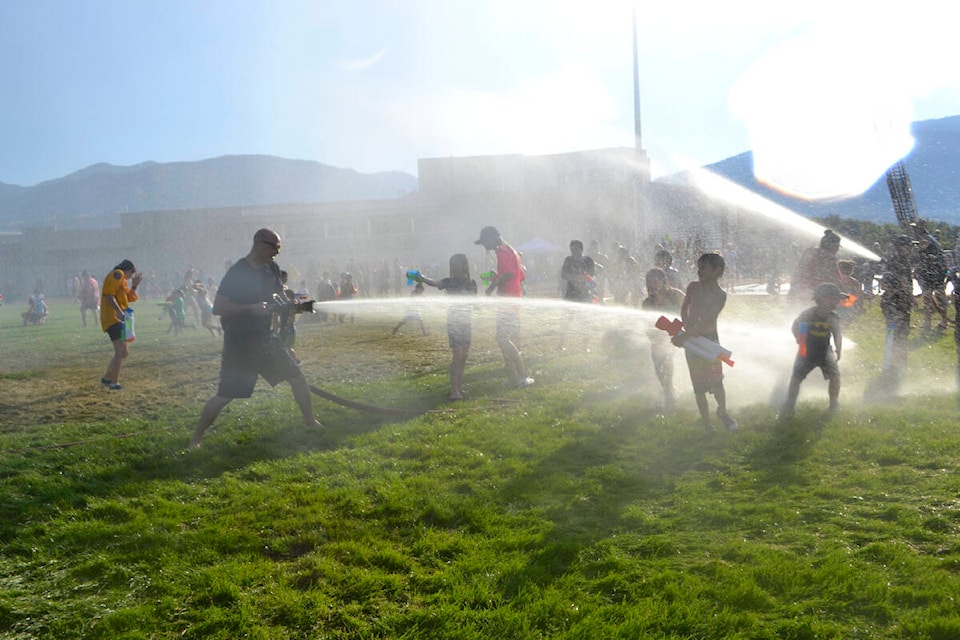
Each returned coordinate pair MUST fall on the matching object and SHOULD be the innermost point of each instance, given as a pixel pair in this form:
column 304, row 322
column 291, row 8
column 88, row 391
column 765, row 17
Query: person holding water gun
column 701, row 307
column 459, row 332
column 507, row 282
column 813, row 329
column 116, row 297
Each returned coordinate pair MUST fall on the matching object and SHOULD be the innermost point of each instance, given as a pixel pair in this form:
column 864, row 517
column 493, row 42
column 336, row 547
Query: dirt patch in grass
column 167, row 374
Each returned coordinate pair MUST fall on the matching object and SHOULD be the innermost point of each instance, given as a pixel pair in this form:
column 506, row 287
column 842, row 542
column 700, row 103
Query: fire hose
column 353, row 404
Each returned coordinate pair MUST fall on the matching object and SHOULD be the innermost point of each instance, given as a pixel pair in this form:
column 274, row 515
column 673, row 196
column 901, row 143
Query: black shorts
column 244, row 360
column 828, row 365
column 115, row 331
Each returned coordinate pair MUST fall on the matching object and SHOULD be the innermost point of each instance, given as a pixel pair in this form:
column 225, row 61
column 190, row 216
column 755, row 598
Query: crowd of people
column 254, row 310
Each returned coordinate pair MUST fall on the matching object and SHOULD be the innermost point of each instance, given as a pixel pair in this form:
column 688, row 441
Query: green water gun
column 487, row 276
column 414, row 276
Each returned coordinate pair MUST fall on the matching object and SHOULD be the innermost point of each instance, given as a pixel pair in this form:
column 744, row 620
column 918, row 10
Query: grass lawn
column 570, row 509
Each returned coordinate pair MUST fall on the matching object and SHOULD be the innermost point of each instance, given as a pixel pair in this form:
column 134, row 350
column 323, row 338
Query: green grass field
column 570, row 509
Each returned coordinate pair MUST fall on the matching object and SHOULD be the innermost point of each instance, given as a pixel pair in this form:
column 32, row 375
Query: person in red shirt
column 89, row 295
column 507, row 282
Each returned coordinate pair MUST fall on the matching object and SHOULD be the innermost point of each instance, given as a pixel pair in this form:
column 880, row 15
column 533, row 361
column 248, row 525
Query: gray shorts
column 508, row 322
column 459, row 334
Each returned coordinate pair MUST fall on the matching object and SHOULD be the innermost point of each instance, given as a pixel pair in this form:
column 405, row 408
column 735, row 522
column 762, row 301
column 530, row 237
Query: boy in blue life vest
column 813, row 330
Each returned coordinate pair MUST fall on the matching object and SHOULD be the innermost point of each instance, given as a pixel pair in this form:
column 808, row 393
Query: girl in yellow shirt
column 115, row 298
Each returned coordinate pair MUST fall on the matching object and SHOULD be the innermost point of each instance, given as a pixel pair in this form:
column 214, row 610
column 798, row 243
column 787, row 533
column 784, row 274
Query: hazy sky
column 374, row 85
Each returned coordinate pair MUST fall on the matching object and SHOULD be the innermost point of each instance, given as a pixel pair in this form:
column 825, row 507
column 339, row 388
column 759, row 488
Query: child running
column 177, row 312
column 458, row 318
column 701, row 308
column 813, row 329
column 662, row 297
column 413, row 313
column 206, row 309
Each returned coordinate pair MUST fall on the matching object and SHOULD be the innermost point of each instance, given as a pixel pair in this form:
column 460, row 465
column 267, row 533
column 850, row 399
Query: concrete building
column 603, row 195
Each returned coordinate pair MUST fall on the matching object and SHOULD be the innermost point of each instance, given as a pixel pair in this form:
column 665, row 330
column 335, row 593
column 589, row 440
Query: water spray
column 723, row 190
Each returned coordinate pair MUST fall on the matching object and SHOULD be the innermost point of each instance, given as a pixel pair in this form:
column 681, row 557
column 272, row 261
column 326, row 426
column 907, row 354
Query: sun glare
column 828, row 114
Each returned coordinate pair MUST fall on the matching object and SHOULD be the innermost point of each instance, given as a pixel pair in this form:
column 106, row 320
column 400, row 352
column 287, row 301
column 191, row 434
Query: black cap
column 488, row 233
column 827, row 290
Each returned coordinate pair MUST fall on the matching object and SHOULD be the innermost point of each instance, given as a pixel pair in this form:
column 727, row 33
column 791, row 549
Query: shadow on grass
column 256, row 441
column 586, row 486
column 590, row 488
column 38, row 484
column 789, row 442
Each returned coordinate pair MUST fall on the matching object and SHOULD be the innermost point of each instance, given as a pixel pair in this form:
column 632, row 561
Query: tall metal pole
column 639, row 231
column 638, row 143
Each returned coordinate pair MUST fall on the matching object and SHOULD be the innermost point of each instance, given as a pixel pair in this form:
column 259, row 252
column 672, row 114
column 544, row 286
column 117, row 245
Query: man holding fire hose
column 246, row 305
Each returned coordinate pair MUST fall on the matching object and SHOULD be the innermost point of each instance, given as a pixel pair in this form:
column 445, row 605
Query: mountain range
column 95, row 196
column 933, row 166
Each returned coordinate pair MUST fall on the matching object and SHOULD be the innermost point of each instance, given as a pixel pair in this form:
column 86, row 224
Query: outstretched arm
column 428, row 281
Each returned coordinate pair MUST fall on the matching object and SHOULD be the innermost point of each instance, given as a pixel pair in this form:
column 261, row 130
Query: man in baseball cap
column 489, row 238
column 507, row 282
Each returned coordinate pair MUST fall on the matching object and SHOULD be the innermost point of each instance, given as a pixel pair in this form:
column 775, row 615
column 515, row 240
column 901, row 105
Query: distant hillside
column 93, row 197
column 933, row 165
column 10, row 191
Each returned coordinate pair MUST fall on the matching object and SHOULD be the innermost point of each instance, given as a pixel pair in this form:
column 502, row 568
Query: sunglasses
column 275, row 245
